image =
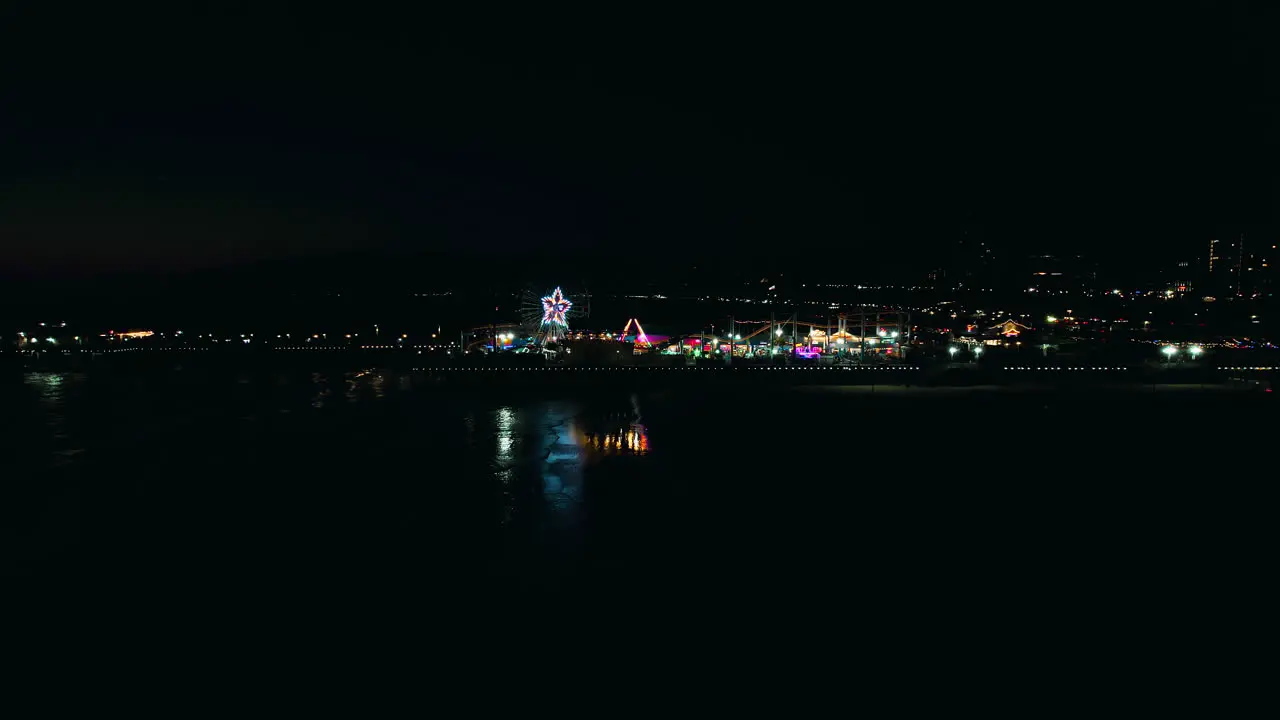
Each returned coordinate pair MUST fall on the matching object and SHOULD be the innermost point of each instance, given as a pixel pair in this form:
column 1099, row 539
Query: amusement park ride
column 846, row 335
column 545, row 327
column 554, row 323
column 544, row 324
column 642, row 344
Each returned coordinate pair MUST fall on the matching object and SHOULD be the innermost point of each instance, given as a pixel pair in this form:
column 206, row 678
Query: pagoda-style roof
column 1010, row 327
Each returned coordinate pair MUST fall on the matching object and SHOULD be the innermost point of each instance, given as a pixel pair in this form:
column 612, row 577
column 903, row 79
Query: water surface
column 809, row 492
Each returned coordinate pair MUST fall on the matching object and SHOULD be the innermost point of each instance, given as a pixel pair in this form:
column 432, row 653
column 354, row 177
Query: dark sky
column 173, row 138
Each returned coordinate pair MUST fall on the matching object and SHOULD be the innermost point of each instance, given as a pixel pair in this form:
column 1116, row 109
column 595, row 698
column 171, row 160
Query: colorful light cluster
column 554, row 308
column 641, row 338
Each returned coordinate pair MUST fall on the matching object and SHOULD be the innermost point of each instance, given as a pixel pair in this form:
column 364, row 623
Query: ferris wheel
column 545, row 317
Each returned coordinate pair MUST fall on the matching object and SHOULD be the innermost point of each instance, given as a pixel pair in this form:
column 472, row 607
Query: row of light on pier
column 715, row 369
column 1168, row 350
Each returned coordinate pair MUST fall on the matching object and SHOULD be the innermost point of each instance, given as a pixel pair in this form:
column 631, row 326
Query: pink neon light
column 554, row 308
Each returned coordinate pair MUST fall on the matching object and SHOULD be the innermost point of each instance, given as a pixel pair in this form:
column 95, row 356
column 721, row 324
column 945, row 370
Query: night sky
column 170, row 138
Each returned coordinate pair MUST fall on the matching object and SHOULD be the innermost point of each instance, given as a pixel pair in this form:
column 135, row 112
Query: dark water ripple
column 395, row 479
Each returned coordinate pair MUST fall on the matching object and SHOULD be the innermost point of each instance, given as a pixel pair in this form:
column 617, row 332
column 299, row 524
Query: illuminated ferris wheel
column 546, row 318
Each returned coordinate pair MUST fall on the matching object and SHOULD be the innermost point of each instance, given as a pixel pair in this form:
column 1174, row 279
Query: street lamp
column 977, row 351
column 1169, row 351
column 1195, row 351
column 952, row 350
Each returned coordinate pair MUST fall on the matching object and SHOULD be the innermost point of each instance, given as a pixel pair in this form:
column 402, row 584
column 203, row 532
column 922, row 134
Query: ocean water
column 807, row 495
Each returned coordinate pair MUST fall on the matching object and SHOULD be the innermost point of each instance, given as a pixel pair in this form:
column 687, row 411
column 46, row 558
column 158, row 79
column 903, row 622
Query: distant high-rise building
column 1178, row 278
column 1268, row 271
column 1255, row 273
column 1236, row 265
column 1227, row 266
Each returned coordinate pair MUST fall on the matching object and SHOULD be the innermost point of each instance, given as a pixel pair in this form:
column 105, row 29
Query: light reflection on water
column 562, row 459
column 542, row 447
column 356, row 386
column 352, row 393
column 506, row 435
column 633, row 440
column 556, row 442
column 525, row 465
column 52, row 391
column 322, row 393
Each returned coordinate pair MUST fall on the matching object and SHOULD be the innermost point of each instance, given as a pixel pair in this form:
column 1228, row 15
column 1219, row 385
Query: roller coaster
column 878, row 327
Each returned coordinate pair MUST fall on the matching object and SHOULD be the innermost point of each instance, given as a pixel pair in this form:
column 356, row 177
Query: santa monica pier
column 555, row 338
